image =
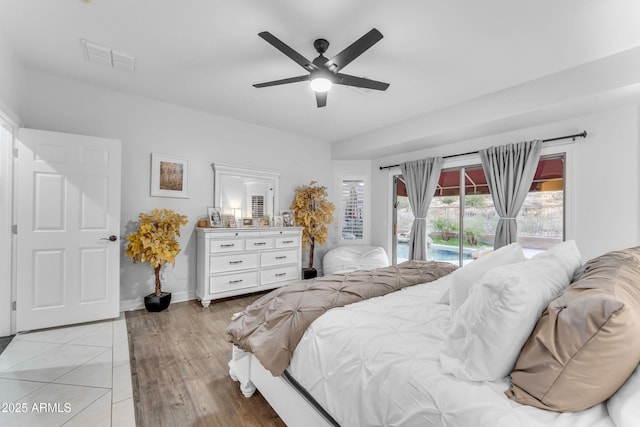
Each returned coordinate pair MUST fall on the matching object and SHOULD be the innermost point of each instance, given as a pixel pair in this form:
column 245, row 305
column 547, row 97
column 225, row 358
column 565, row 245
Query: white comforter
column 376, row 363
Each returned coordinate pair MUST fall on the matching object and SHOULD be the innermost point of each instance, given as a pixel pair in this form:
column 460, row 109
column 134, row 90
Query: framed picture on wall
column 169, row 176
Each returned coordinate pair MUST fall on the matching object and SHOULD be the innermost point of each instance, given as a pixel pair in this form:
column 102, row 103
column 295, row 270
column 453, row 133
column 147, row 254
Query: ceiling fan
column 324, row 72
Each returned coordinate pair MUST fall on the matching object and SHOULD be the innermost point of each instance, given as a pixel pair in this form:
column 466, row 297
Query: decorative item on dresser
column 241, row 261
column 215, row 217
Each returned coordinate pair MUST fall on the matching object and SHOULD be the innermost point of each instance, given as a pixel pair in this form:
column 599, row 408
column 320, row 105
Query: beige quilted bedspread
column 273, row 325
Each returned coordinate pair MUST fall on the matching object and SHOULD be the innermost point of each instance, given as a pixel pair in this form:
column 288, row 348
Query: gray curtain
column 509, row 170
column 421, row 178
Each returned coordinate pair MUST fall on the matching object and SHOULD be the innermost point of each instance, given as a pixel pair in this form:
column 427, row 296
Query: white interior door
column 68, row 209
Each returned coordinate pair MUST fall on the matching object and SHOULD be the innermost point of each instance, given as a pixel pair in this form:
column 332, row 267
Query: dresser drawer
column 287, row 242
column 278, row 258
column 227, row 282
column 259, row 243
column 242, row 261
column 227, row 245
column 274, row 275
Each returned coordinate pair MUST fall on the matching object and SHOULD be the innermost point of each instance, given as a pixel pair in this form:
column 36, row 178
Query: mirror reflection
column 245, row 192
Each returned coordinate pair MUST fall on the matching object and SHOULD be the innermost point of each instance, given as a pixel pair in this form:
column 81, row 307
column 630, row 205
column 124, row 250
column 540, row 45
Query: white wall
column 146, row 126
column 10, row 80
column 605, row 178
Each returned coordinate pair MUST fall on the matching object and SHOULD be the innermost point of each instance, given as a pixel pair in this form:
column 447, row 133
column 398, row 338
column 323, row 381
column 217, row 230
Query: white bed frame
column 291, row 405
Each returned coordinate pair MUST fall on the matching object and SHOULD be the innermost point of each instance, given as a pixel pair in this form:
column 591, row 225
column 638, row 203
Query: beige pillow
column 587, row 342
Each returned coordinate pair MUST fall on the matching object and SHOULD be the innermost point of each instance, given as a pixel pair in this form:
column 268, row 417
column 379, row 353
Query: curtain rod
column 582, row 134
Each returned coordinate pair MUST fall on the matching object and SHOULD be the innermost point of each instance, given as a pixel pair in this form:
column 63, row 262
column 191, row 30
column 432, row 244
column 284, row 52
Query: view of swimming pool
column 435, row 254
column 450, row 253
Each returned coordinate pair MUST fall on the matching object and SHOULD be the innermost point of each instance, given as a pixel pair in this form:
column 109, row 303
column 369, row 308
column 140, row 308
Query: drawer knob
column 233, row 282
column 281, row 257
column 260, row 243
column 235, row 262
column 228, row 245
column 281, row 274
column 287, row 241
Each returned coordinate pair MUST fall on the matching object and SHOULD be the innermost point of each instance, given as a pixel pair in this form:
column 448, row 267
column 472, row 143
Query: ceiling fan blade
column 354, row 50
column 283, row 81
column 284, row 48
column 347, row 80
column 321, row 99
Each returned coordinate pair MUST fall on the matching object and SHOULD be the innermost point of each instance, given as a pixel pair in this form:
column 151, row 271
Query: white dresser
column 234, row 261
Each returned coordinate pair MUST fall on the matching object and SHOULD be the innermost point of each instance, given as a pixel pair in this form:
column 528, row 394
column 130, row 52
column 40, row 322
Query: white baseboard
column 138, row 303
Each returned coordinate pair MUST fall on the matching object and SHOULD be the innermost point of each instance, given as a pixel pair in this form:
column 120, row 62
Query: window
column 352, row 209
column 257, row 206
column 462, row 220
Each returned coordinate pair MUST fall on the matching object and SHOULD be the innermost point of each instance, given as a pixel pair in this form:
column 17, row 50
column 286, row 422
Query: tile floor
column 71, row 376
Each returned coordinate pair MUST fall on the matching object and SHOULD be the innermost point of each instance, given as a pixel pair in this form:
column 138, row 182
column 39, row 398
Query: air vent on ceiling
column 102, row 55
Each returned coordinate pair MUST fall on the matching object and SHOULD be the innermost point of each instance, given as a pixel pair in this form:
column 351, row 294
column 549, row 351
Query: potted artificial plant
column 312, row 211
column 155, row 243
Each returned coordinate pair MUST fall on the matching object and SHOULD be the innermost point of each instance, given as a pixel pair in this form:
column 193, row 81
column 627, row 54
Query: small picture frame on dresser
column 287, row 219
column 277, row 221
column 247, row 222
column 264, row 222
column 215, row 217
column 229, row 221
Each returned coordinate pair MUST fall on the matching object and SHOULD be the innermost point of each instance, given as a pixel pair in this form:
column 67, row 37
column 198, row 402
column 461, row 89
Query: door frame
column 392, row 214
column 7, row 215
column 394, row 217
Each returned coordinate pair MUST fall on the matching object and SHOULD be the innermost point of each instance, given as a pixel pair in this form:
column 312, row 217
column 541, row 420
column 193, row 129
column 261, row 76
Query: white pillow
column 490, row 328
column 464, row 277
column 624, row 406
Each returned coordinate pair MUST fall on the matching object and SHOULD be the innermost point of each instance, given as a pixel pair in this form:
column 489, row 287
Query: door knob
column 111, row 238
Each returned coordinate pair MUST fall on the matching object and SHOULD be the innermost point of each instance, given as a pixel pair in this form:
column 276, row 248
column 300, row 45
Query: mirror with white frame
column 245, row 192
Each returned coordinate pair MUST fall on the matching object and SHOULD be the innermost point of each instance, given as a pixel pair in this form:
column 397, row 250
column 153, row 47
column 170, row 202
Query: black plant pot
column 155, row 304
column 309, row 273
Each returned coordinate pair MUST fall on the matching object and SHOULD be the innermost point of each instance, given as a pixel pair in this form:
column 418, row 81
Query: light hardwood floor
column 179, row 368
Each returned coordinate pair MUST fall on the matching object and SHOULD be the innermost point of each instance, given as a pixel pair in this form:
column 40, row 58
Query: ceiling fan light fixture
column 321, row 84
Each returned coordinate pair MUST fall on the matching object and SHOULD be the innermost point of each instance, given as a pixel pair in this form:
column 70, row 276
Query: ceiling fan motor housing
column 320, row 62
column 321, row 45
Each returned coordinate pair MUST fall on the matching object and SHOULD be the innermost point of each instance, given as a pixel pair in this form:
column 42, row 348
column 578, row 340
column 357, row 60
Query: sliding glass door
column 461, row 221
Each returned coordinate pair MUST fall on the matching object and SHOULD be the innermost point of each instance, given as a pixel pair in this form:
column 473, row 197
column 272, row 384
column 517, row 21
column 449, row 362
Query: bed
column 455, row 350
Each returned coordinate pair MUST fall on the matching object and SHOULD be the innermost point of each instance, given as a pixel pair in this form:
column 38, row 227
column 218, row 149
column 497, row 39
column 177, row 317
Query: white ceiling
column 206, row 55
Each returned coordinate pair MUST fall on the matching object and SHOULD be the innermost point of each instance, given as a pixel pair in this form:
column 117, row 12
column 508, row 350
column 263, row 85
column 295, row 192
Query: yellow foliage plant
column 155, row 241
column 313, row 212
